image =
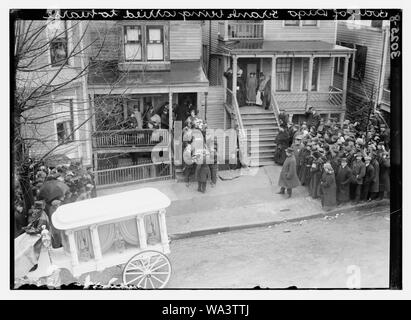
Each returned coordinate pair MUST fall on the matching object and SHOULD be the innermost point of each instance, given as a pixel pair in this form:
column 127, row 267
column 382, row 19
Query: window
column 315, row 75
column 312, row 23
column 155, row 43
column 283, row 73
column 144, row 43
column 292, row 23
column 360, row 59
column 63, row 111
column 58, row 42
column 132, row 43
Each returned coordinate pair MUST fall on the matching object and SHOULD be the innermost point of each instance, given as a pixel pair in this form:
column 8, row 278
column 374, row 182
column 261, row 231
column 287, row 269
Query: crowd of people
column 51, row 187
column 336, row 162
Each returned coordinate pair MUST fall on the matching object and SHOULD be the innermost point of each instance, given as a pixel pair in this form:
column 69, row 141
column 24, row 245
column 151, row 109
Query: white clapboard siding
column 274, row 30
column 185, row 41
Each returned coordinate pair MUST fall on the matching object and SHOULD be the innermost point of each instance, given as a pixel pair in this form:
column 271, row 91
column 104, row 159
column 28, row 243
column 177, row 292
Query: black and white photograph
column 174, row 148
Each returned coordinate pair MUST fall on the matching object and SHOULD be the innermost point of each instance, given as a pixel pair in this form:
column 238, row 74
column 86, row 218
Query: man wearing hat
column 343, row 179
column 358, row 173
column 328, row 188
column 313, row 118
column 385, row 136
column 384, row 178
column 288, row 176
column 369, row 178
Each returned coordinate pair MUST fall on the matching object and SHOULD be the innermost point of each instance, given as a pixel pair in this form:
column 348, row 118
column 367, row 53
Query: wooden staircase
column 266, row 123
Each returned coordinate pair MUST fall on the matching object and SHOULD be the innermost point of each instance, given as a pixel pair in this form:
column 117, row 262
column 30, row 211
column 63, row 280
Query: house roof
column 288, row 47
column 180, row 73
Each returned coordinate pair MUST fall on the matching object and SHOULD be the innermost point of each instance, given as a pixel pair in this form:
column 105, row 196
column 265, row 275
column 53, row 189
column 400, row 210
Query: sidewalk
column 247, row 201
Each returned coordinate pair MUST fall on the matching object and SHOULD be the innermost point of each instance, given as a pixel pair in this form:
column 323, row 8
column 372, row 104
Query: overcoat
column 316, row 169
column 358, row 169
column 343, row 179
column 385, row 175
column 288, row 176
column 375, row 184
column 328, row 190
column 369, row 175
column 204, row 173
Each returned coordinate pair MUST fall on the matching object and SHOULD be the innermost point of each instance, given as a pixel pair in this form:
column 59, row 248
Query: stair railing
column 231, row 101
column 275, row 108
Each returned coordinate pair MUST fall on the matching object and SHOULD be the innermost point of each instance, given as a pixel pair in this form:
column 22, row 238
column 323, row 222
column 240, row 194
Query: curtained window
column 63, row 111
column 283, row 73
column 132, row 43
column 155, row 43
column 57, row 31
column 315, row 75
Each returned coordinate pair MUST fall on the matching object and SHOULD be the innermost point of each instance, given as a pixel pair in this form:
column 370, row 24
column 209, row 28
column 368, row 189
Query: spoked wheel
column 148, row 270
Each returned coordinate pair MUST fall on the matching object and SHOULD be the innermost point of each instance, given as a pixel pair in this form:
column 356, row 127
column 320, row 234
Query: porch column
column 170, row 110
column 170, row 126
column 273, row 74
column 345, row 78
column 235, row 77
column 310, row 75
column 205, row 106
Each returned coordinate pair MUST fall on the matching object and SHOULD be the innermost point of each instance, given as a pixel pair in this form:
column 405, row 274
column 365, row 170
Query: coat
column 342, row 180
column 204, row 173
column 328, row 190
column 358, row 172
column 313, row 120
column 313, row 188
column 251, row 88
column 369, row 177
column 288, row 176
column 384, row 175
column 375, row 185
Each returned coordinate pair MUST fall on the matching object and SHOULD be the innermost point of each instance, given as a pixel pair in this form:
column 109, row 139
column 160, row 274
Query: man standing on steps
column 288, row 176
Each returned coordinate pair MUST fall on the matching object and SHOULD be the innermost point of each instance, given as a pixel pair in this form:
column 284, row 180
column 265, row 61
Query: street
column 351, row 249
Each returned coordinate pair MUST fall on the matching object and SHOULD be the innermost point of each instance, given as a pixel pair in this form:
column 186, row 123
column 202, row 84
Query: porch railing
column 296, row 100
column 130, row 137
column 137, row 173
column 240, row 30
column 248, row 30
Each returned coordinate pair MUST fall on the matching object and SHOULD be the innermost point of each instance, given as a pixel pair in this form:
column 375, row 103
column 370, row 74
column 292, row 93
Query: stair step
column 257, row 123
column 257, row 117
column 261, row 151
column 265, row 163
column 263, row 156
column 264, row 143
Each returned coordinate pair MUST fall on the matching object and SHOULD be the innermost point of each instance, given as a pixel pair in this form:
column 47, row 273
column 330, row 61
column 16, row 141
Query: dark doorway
column 185, row 102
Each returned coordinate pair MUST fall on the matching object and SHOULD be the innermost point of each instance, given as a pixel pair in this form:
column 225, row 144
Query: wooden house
column 369, row 67
column 50, row 79
column 141, row 66
column 298, row 59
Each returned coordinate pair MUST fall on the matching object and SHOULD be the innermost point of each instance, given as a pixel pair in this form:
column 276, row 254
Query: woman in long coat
column 375, row 185
column 288, row 176
column 328, row 188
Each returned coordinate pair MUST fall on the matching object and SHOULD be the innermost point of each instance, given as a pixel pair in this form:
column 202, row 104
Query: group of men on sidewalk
column 337, row 163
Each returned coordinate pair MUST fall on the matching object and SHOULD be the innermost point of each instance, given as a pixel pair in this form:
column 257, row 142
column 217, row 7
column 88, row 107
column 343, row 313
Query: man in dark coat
column 328, row 188
column 288, row 176
column 384, row 175
column 282, row 141
column 375, row 185
column 313, row 118
column 202, row 176
column 369, row 178
column 316, row 170
column 358, row 173
column 343, row 179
